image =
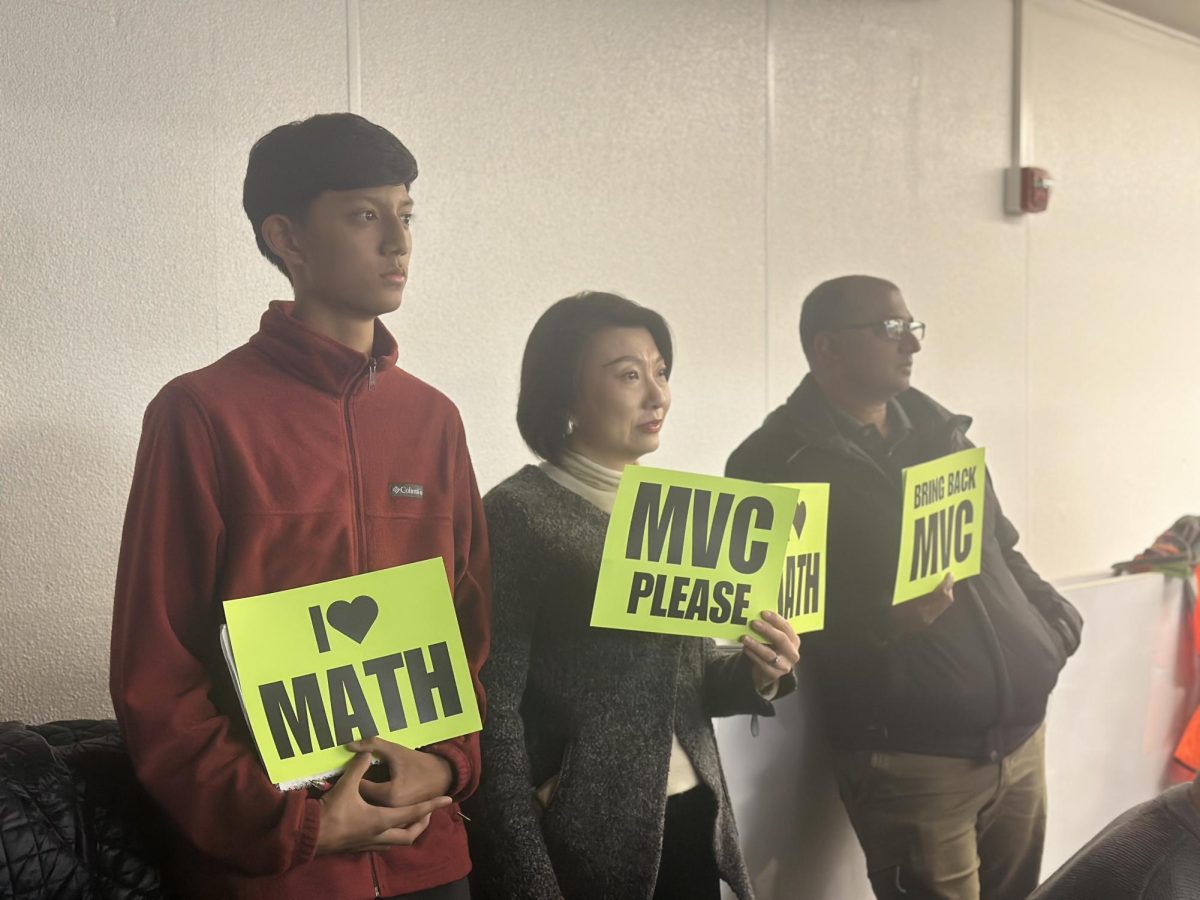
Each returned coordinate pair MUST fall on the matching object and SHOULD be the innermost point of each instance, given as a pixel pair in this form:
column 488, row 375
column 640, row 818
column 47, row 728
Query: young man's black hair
column 290, row 165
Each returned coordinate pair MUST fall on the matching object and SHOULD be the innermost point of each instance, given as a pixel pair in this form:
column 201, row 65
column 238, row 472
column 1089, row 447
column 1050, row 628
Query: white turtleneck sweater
column 598, row 485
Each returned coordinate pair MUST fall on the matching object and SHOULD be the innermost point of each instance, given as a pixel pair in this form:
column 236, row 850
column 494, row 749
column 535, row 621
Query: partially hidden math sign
column 373, row 654
column 802, row 591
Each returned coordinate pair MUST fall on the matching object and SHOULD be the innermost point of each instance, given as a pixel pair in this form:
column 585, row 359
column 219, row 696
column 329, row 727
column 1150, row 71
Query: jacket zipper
column 360, row 525
column 374, row 874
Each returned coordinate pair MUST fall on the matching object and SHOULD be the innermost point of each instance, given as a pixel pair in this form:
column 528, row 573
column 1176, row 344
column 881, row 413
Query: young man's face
column 356, row 247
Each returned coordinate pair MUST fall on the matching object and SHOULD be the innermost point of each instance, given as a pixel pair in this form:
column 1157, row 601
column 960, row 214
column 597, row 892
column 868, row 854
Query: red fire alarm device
column 1027, row 190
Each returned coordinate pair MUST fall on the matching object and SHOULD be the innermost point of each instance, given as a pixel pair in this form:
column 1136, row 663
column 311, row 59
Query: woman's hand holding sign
column 771, row 661
column 350, row 823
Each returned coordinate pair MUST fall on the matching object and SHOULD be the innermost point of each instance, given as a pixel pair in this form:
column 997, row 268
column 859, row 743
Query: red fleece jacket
column 270, row 469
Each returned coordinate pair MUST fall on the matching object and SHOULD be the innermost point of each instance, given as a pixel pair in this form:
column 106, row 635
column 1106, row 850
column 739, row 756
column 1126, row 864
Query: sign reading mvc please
column 323, row 665
column 942, row 528
column 692, row 554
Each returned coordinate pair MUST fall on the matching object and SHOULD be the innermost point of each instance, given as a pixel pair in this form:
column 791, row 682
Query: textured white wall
column 713, row 158
column 1114, row 280
column 891, row 128
column 124, row 260
column 614, row 146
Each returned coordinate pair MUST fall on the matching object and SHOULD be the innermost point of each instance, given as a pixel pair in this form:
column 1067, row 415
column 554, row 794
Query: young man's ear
column 279, row 233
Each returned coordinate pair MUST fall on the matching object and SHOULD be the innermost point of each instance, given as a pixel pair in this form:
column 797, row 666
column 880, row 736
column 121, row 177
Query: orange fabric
column 1187, row 751
column 1195, row 618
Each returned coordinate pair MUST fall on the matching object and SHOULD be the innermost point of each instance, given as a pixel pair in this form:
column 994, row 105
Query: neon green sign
column 802, row 591
column 323, row 665
column 942, row 528
column 692, row 554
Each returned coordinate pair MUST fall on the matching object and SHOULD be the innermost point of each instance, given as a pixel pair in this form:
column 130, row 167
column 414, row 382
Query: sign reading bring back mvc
column 942, row 529
column 323, row 665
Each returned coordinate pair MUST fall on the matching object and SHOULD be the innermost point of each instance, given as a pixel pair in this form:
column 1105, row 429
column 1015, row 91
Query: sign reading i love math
column 942, row 529
column 323, row 665
column 692, row 554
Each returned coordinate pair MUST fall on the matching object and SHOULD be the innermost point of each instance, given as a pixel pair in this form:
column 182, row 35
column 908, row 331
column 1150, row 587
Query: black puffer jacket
column 74, row 823
column 975, row 683
column 1151, row 852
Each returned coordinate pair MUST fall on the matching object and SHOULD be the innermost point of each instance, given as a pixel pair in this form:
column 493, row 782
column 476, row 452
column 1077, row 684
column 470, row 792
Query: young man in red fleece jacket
column 303, row 456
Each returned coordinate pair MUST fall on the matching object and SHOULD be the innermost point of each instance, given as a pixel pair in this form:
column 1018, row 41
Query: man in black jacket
column 934, row 707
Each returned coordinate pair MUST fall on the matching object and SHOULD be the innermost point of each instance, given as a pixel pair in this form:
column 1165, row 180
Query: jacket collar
column 808, row 415
column 313, row 358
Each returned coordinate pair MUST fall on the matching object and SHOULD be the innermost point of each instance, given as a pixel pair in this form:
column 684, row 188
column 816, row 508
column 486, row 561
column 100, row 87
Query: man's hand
column 412, row 776
column 350, row 823
column 921, row 612
column 770, row 661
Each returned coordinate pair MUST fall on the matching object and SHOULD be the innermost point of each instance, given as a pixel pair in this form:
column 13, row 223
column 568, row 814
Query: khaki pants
column 945, row 828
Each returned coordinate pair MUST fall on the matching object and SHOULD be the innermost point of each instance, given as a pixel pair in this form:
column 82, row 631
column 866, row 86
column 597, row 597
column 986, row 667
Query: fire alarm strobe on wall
column 1026, row 190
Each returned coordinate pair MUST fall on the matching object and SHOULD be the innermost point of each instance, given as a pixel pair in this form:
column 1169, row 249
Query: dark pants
column 456, row 890
column 687, row 869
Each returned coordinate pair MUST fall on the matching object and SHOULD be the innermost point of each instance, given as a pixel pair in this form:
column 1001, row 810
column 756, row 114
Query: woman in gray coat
column 600, row 770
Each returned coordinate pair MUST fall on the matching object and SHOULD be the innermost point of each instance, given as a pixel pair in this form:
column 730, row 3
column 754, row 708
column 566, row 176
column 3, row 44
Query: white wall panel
column 575, row 145
column 125, row 259
column 1114, row 279
column 794, row 831
column 1110, row 731
column 889, row 135
column 1119, row 708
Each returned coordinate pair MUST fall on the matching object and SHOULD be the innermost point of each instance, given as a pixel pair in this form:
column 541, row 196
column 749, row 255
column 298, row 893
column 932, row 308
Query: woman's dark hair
column 290, row 165
column 550, row 369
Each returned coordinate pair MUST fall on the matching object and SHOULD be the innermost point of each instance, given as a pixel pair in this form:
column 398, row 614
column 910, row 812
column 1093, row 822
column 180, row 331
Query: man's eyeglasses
column 892, row 329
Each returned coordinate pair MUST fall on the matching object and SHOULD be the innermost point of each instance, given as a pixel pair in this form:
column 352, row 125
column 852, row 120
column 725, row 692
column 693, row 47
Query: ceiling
column 1182, row 15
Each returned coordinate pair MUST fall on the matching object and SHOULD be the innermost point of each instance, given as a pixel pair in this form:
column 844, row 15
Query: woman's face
column 623, row 398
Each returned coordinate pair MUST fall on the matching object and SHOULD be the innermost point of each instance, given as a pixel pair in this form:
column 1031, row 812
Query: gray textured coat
column 596, row 706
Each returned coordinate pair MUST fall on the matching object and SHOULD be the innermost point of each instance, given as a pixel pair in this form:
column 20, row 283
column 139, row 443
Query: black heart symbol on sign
column 354, row 618
column 799, row 517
